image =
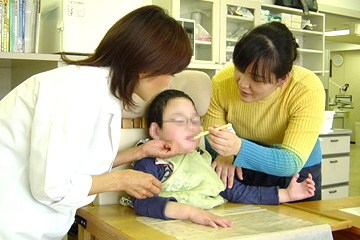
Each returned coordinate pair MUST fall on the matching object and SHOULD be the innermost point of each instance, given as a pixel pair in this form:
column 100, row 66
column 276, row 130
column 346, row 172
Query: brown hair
column 146, row 40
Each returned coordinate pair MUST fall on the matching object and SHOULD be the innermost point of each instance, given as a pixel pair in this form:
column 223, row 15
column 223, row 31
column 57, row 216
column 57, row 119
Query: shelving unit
column 235, row 26
column 311, row 42
column 209, row 56
column 217, row 53
column 16, row 67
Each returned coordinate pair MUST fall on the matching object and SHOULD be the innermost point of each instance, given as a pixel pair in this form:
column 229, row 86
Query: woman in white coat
column 60, row 130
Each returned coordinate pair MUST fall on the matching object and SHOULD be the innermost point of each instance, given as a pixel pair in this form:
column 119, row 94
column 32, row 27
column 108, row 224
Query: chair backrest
column 194, row 83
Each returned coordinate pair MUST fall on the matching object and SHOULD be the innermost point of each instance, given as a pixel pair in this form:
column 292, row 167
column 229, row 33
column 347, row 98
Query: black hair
column 159, row 103
column 271, row 46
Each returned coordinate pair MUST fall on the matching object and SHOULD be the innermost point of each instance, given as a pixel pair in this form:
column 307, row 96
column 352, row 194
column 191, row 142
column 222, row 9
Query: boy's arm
column 169, row 208
column 245, row 194
column 152, row 206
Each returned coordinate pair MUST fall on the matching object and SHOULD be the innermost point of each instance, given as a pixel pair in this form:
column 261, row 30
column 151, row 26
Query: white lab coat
column 56, row 130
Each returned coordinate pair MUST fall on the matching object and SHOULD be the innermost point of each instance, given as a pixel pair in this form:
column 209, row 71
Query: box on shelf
column 328, row 122
column 296, row 25
column 285, row 18
column 296, row 18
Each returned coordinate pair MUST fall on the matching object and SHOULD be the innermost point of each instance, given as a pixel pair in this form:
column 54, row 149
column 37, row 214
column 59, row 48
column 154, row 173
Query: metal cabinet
column 335, row 167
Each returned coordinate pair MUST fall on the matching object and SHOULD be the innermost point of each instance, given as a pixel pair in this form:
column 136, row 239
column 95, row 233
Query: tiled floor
column 354, row 183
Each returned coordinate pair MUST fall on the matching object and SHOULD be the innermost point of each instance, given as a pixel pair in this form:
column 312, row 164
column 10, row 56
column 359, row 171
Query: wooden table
column 331, row 207
column 118, row 222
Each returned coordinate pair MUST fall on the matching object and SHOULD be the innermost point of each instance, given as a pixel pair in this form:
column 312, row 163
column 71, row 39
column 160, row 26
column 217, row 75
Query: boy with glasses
column 189, row 184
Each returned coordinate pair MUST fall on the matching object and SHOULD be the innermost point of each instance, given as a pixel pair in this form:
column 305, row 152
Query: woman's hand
column 137, row 184
column 159, row 149
column 152, row 148
column 225, row 170
column 224, row 141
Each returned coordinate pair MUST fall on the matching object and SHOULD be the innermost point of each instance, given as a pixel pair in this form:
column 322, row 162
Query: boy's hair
column 270, row 44
column 159, row 103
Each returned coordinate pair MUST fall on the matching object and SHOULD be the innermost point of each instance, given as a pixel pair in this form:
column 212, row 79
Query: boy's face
column 180, row 124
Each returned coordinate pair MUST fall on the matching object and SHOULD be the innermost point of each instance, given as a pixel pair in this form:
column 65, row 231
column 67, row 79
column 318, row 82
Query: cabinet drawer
column 335, row 144
column 335, row 192
column 335, row 170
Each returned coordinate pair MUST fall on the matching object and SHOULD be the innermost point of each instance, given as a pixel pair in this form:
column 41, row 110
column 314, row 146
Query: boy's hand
column 297, row 191
column 177, row 210
column 204, row 217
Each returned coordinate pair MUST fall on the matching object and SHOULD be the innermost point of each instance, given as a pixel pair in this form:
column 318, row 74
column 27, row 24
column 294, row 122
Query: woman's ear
column 154, row 131
column 283, row 80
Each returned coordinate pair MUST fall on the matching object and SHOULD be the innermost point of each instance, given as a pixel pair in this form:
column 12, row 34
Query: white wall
column 339, row 46
column 349, row 73
column 349, row 8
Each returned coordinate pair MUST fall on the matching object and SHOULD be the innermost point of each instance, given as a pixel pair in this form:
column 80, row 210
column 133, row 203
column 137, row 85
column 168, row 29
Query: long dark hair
column 145, row 41
column 271, row 46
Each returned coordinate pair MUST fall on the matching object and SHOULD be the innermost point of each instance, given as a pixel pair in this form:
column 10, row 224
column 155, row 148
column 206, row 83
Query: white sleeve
column 60, row 140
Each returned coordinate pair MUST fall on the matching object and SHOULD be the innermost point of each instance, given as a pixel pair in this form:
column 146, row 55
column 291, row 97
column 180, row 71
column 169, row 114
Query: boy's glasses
column 183, row 121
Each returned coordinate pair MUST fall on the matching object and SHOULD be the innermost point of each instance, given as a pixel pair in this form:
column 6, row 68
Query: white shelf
column 29, row 56
column 202, row 42
column 304, row 32
column 305, row 50
column 239, row 18
column 7, row 59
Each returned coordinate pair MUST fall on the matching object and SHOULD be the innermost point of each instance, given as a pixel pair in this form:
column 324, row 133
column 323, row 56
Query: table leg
column 83, row 234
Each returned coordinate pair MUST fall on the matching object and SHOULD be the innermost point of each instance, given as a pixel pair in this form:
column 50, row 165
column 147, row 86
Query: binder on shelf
column 5, row 26
column 31, row 16
column 18, row 25
column 1, row 20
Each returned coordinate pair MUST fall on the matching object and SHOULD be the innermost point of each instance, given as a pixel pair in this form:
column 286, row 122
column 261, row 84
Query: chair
column 196, row 84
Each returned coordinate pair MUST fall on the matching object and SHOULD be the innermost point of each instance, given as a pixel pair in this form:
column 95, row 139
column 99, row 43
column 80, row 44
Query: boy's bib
column 193, row 181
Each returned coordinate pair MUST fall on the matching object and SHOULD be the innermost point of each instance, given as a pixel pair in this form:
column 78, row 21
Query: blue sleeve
column 266, row 159
column 155, row 206
column 273, row 160
column 244, row 194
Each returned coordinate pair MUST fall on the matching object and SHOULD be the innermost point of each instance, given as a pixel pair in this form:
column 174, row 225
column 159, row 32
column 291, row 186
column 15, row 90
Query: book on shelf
column 1, row 24
column 19, row 25
column 4, row 26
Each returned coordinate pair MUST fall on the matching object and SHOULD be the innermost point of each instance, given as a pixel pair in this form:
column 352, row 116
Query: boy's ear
column 283, row 80
column 154, row 131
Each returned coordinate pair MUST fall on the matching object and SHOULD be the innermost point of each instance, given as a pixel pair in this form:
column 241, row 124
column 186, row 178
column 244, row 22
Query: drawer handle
column 333, row 191
column 334, row 140
column 333, row 161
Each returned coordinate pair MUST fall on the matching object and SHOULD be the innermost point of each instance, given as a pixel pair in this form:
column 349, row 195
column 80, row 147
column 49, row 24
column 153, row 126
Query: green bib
column 193, row 181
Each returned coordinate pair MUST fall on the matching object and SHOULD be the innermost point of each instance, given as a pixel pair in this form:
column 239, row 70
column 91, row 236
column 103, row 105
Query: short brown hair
column 146, row 40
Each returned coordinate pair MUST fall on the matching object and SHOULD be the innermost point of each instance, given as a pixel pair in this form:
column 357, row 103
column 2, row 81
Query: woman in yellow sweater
column 276, row 110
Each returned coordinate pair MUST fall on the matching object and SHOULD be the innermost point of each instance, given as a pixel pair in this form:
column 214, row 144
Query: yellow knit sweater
column 291, row 117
